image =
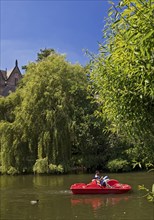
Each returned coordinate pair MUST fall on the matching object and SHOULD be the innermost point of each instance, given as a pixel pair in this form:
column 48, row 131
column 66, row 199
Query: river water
column 56, row 202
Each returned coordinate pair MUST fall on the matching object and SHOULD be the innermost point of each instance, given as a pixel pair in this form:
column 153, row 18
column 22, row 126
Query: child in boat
column 97, row 178
column 97, row 175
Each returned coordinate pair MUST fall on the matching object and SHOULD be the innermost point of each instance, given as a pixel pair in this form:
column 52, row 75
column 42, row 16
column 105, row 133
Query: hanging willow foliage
column 43, row 115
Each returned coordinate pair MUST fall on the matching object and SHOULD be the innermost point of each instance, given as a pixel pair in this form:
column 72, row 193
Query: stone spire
column 16, row 63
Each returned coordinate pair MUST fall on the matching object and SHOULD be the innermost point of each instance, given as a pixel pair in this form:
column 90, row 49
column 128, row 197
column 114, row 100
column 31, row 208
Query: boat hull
column 99, row 191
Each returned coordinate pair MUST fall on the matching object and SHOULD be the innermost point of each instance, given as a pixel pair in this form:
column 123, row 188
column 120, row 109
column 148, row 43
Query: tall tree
column 51, row 118
column 123, row 72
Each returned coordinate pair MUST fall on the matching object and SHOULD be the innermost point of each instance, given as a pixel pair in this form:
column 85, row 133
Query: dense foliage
column 123, row 74
column 48, row 125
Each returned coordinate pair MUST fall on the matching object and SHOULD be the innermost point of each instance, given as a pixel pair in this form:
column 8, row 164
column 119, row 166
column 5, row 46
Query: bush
column 56, row 169
column 41, row 166
column 118, row 165
column 12, row 171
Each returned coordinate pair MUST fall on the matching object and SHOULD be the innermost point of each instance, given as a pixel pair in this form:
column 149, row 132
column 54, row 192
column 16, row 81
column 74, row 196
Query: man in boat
column 104, row 180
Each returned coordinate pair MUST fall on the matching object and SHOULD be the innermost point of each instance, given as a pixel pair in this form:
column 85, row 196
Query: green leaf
column 148, row 35
column 153, row 188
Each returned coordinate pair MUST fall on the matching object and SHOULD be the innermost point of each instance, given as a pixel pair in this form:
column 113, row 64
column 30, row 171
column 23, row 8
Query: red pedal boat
column 113, row 187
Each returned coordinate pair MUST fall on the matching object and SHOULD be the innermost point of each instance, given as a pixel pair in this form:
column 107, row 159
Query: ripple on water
column 58, row 192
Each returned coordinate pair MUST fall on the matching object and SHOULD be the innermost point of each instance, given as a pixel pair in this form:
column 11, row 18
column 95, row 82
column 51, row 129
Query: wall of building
column 9, row 81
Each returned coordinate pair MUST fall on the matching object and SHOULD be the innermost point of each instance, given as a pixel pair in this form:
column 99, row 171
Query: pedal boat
column 112, row 187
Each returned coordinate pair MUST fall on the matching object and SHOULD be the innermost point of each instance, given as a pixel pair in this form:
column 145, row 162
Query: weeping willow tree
column 39, row 129
column 124, row 75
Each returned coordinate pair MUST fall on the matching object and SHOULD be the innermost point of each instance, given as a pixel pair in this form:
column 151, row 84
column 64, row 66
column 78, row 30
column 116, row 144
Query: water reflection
column 56, row 201
column 53, row 181
column 98, row 202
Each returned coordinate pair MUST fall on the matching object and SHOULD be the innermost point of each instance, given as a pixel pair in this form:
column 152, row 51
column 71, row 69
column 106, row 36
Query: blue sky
column 69, row 27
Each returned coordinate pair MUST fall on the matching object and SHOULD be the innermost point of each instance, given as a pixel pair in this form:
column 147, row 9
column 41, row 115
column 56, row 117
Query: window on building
column 16, row 81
